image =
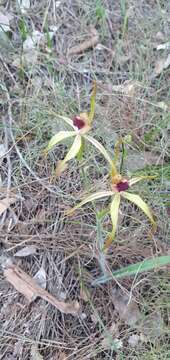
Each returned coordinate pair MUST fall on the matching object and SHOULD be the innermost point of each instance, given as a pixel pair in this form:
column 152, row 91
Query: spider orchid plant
column 81, row 125
column 119, row 188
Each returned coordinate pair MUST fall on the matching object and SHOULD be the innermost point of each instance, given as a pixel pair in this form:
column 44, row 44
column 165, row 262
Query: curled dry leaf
column 5, row 203
column 87, row 44
column 28, row 287
column 161, row 65
column 126, row 307
column 26, row 251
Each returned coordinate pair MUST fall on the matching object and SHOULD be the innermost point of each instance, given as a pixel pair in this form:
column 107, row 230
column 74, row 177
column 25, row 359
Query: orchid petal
column 70, row 155
column 90, row 198
column 139, row 178
column 92, row 103
column 74, row 149
column 136, row 199
column 100, row 147
column 65, row 118
column 61, row 135
column 114, row 211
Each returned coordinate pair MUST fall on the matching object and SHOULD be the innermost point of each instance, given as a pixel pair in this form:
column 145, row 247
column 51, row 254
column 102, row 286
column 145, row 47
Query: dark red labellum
column 122, row 186
column 78, row 122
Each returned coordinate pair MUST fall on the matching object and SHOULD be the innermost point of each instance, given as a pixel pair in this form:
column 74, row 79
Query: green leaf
column 61, row 135
column 140, row 267
column 90, row 198
column 99, row 147
column 114, row 211
column 136, row 199
column 23, row 29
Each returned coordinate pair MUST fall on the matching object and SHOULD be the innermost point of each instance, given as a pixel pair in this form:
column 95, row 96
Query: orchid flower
column 81, row 125
column 119, row 187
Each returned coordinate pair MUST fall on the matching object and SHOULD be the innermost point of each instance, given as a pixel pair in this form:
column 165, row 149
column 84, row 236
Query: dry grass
column 67, row 247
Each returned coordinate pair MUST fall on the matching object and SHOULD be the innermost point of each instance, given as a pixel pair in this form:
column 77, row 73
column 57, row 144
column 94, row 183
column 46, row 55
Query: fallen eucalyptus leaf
column 2, row 152
column 5, row 203
column 5, row 22
column 28, row 287
column 40, row 278
column 126, row 307
column 161, row 65
column 152, row 325
column 26, row 251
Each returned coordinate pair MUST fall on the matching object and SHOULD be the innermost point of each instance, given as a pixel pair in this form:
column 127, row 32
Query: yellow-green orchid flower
column 118, row 188
column 81, row 125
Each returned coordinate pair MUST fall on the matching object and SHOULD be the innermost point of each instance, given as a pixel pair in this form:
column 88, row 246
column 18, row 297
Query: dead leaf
column 126, row 307
column 24, row 5
column 5, row 203
column 40, row 278
column 26, row 251
column 161, row 64
column 162, row 105
column 2, row 152
column 133, row 340
column 164, row 46
column 160, row 36
column 129, row 88
column 152, row 325
column 28, row 287
column 60, row 356
column 87, row 44
column 5, row 22
column 35, row 355
column 32, row 41
column 83, row 295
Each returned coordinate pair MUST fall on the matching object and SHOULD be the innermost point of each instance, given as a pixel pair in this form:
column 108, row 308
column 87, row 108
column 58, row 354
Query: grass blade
column 138, row 268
